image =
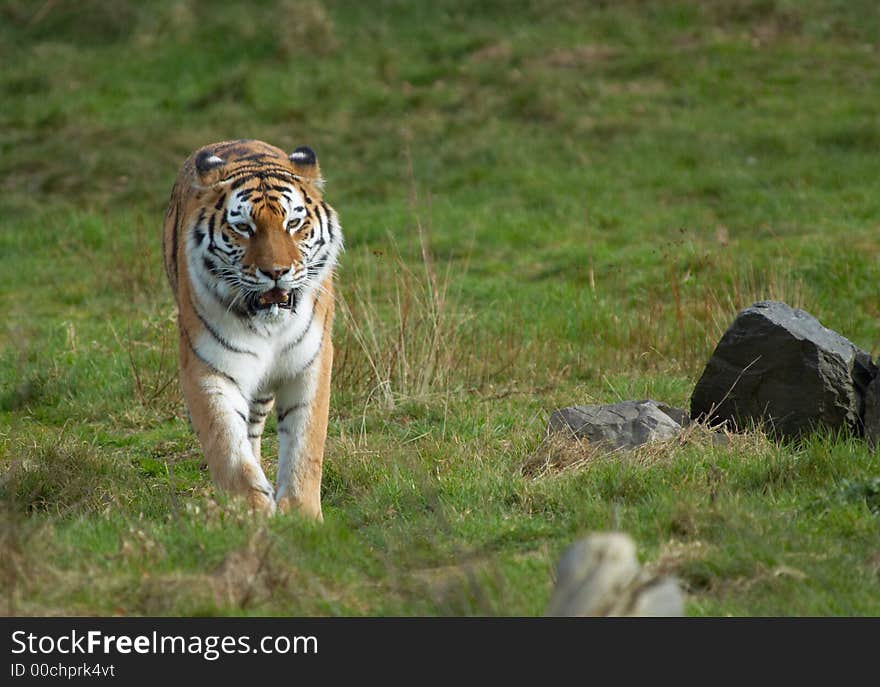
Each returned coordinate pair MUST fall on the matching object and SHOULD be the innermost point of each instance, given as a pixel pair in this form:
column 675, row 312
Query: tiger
column 250, row 249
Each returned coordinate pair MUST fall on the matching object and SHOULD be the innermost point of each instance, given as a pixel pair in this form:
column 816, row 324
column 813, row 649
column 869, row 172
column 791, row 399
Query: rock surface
column 620, row 425
column 779, row 365
column 872, row 412
column 600, row 576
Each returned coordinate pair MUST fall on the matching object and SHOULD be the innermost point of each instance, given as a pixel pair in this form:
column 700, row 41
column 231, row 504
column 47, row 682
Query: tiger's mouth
column 273, row 297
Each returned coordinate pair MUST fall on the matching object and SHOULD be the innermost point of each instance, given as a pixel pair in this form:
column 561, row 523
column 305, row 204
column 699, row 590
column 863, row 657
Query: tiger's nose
column 275, row 273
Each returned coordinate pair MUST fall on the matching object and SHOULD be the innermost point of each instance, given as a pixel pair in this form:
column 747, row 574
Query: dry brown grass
column 560, row 453
column 406, row 343
column 701, row 312
column 58, row 474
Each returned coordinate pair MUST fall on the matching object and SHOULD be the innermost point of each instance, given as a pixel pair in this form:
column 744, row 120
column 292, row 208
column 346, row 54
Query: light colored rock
column 601, row 576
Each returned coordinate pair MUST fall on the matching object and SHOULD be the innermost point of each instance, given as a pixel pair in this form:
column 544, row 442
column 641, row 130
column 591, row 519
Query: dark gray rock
column 620, row 425
column 779, row 365
column 872, row 412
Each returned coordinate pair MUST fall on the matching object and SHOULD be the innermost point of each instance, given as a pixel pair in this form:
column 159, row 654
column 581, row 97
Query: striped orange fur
column 250, row 248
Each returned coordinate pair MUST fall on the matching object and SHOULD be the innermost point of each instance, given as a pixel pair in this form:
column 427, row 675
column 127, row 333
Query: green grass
column 600, row 187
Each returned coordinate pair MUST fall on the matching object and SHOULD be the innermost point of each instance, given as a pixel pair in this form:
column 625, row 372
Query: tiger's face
column 266, row 242
column 266, row 237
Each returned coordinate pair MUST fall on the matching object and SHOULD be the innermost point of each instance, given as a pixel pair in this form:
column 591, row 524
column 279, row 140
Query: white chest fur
column 260, row 353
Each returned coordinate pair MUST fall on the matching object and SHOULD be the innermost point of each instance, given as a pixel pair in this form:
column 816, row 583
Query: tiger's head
column 262, row 235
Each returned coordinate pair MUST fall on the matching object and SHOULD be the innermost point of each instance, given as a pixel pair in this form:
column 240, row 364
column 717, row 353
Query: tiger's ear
column 209, row 167
column 305, row 163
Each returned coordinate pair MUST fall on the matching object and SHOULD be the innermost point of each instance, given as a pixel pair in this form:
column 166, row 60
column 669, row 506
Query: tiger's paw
column 287, row 504
column 261, row 502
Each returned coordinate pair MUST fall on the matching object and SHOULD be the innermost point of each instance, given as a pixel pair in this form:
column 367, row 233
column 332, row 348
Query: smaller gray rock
column 620, row 425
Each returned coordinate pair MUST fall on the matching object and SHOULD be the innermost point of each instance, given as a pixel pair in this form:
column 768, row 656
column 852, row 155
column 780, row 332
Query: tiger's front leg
column 219, row 415
column 260, row 409
column 303, row 406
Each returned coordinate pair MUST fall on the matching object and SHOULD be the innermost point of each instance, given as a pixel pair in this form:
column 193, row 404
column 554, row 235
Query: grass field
column 545, row 203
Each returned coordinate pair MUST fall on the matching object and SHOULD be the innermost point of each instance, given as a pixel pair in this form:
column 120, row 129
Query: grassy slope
column 602, row 188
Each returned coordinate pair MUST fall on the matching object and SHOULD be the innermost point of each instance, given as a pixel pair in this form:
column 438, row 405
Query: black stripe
column 264, row 401
column 223, row 342
column 320, row 243
column 315, row 269
column 243, row 314
column 311, row 360
column 294, row 344
column 174, row 244
column 242, row 175
column 317, row 353
column 254, row 436
column 266, row 169
column 321, row 220
column 284, row 413
column 329, row 221
column 217, row 249
column 199, row 223
column 210, row 266
column 209, row 365
column 254, row 156
column 330, row 235
column 241, row 181
column 219, row 204
column 257, row 415
column 239, row 311
column 242, row 416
